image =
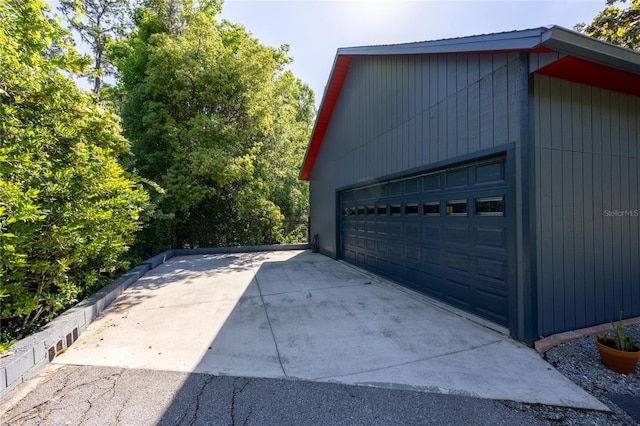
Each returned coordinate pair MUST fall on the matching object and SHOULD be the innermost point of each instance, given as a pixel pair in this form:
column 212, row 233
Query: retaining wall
column 32, row 353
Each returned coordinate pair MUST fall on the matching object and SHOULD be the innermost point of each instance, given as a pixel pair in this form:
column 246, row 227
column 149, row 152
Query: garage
column 497, row 173
column 444, row 233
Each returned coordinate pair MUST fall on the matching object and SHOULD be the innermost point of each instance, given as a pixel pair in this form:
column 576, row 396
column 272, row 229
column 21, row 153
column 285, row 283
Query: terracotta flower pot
column 619, row 361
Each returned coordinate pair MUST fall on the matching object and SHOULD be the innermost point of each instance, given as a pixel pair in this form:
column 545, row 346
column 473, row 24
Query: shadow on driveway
column 298, row 329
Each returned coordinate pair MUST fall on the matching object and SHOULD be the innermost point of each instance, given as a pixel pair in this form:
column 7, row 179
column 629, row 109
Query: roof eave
column 515, row 40
column 329, row 98
column 590, row 49
column 551, row 39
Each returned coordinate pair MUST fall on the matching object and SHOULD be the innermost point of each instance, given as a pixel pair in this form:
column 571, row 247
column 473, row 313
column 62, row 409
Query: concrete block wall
column 32, row 353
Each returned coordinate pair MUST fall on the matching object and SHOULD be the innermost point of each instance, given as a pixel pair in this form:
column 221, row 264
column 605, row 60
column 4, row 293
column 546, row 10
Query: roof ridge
column 501, row 34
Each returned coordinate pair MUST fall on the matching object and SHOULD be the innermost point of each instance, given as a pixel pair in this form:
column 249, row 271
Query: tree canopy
column 216, row 120
column 68, row 210
column 616, row 24
column 205, row 116
column 97, row 23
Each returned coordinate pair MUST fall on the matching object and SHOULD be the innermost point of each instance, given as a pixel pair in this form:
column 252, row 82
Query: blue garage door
column 446, row 234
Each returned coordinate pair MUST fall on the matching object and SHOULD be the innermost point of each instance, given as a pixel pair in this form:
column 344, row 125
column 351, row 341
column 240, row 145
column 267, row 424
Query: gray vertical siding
column 401, row 112
column 586, row 171
column 398, row 112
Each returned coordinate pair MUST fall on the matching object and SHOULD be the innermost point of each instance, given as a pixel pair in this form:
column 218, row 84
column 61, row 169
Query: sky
column 314, row 30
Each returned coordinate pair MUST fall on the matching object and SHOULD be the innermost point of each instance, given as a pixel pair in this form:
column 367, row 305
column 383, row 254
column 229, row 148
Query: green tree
column 68, row 210
column 215, row 120
column 615, row 24
column 97, row 22
column 285, row 145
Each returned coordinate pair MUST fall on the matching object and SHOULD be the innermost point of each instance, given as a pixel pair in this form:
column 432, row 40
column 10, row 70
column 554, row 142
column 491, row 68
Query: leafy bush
column 68, row 210
column 215, row 119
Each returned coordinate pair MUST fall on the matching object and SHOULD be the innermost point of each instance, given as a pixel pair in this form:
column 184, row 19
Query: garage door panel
column 395, row 270
column 491, row 268
column 458, row 261
column 490, row 287
column 402, row 231
column 395, row 230
column 458, row 234
column 350, row 255
column 371, row 244
column 413, row 276
column 431, row 255
column 411, row 187
column 382, row 265
column 492, row 237
column 412, row 253
column 412, row 231
column 431, row 232
column 491, row 305
column 394, row 189
column 495, row 316
column 371, row 261
column 350, row 240
column 381, row 227
column 381, row 247
column 395, row 249
column 432, row 284
column 431, row 183
column 458, row 292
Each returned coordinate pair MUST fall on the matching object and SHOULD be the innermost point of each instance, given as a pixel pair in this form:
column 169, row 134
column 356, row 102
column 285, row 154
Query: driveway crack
column 237, row 391
column 42, row 411
column 208, row 380
column 116, row 377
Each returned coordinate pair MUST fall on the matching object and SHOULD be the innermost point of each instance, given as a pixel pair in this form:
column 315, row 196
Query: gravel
column 579, row 360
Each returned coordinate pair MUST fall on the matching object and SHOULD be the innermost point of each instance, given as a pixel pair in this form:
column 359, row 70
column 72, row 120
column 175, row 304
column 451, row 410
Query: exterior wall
column 587, row 200
column 398, row 112
column 540, row 60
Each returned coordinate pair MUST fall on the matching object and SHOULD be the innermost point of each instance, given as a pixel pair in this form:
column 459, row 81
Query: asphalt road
column 80, row 395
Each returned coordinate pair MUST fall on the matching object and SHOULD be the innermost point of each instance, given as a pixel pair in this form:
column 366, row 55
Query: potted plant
column 619, row 352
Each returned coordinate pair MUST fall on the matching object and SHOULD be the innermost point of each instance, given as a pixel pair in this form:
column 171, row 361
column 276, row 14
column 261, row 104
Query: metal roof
column 587, row 61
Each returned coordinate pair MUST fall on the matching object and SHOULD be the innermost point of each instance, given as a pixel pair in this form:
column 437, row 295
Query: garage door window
column 382, row 209
column 431, row 208
column 457, row 208
column 490, row 206
column 411, row 209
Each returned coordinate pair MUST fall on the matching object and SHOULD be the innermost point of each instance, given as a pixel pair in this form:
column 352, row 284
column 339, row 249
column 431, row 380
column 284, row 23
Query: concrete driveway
column 300, row 315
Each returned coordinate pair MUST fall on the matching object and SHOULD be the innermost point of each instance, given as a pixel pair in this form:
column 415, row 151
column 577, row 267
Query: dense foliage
column 68, row 210
column 215, row 120
column 616, row 24
column 216, row 130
